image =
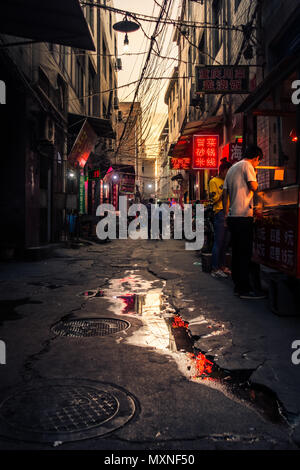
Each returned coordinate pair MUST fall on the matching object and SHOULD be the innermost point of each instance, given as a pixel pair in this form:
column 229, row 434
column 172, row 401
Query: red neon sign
column 205, row 152
column 180, row 163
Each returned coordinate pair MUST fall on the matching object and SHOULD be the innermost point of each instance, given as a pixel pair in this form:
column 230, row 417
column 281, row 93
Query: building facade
column 131, row 148
column 52, row 90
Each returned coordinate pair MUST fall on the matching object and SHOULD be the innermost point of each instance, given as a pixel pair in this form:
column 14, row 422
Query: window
column 79, row 78
column 90, row 15
column 63, row 58
column 236, row 4
column 91, row 90
column 110, row 76
column 217, row 20
column 104, row 58
column 190, row 64
column 201, row 56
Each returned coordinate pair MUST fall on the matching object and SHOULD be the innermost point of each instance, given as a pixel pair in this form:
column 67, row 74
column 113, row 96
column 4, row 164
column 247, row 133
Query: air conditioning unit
column 110, row 146
column 118, row 63
column 116, row 102
column 48, row 130
column 195, row 98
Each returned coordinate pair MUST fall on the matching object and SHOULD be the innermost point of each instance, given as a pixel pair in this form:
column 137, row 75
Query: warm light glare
column 293, row 135
column 126, row 43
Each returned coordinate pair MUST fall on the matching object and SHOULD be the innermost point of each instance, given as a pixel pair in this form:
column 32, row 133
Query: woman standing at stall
column 220, row 230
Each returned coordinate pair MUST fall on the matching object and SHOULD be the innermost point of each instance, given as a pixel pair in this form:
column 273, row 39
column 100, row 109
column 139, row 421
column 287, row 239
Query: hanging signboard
column 205, row 152
column 127, row 182
column 222, row 79
column 82, row 205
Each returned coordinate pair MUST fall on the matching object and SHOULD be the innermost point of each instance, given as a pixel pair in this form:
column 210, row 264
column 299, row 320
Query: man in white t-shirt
column 239, row 187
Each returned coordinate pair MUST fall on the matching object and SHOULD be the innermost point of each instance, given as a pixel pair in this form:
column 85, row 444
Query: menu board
column 275, row 239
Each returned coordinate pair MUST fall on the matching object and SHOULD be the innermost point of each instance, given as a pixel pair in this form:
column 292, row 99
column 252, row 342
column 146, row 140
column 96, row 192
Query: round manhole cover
column 66, row 410
column 90, row 327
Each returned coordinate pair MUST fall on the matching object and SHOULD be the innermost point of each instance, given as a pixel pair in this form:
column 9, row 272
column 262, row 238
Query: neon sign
column 205, row 152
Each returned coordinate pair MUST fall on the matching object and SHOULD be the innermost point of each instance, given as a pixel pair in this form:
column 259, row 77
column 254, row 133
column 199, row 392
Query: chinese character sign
column 180, row 163
column 235, row 152
column 222, row 79
column 205, row 152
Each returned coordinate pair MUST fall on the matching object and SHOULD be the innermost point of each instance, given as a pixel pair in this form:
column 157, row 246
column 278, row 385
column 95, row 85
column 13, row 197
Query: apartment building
column 132, row 150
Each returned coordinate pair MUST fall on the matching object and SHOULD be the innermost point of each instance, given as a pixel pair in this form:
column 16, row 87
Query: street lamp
column 126, row 27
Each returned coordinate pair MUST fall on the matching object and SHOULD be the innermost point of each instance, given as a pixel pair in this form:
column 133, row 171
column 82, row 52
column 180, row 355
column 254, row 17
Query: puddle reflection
column 133, row 295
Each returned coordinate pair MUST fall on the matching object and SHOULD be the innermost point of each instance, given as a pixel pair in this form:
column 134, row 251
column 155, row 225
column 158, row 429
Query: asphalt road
column 140, row 387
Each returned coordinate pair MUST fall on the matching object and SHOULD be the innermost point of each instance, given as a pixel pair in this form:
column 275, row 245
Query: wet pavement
column 172, row 359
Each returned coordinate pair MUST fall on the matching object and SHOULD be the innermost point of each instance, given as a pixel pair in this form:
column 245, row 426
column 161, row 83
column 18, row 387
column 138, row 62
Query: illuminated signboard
column 233, row 152
column 222, row 79
column 94, row 174
column 205, row 152
column 180, row 163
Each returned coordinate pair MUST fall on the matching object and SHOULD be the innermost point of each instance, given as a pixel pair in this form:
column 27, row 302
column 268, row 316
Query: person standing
column 239, row 187
column 149, row 206
column 220, row 230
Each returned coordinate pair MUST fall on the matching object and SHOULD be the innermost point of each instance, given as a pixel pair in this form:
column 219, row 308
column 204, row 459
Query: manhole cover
column 90, row 327
column 66, row 410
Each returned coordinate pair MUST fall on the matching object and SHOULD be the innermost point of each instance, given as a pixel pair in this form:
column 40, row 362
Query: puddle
column 7, row 308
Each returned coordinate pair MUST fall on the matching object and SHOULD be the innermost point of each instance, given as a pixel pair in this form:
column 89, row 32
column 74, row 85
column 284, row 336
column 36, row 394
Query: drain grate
column 90, row 327
column 65, row 411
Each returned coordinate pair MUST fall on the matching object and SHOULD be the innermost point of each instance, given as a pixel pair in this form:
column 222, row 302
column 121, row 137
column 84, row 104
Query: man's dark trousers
column 241, row 229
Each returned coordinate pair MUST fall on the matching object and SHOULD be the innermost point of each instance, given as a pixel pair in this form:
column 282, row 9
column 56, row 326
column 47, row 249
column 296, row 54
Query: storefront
column 119, row 181
column 196, row 157
column 273, row 122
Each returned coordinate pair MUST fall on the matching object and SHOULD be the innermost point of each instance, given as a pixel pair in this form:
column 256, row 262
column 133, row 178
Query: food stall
column 272, row 121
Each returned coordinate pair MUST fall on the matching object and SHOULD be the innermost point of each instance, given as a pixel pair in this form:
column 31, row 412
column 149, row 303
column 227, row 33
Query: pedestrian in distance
column 149, row 211
column 239, row 187
column 221, row 234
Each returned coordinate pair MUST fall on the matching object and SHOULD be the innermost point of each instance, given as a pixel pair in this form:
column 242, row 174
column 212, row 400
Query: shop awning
column 182, row 148
column 194, row 127
column 121, row 168
column 102, row 127
column 55, row 21
column 279, row 73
